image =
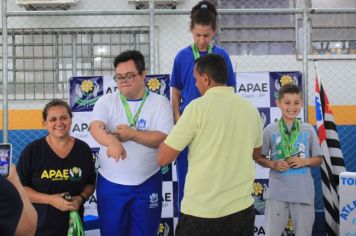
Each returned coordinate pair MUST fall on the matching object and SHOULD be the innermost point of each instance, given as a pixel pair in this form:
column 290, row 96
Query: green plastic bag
column 75, row 225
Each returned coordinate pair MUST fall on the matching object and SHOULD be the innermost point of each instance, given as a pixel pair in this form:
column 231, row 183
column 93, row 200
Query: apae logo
column 285, row 79
column 141, row 124
column 80, row 130
column 92, row 199
column 163, row 229
column 259, row 230
column 80, row 127
column 84, row 92
column 154, row 201
column 75, row 173
column 253, row 87
column 111, row 90
column 167, row 198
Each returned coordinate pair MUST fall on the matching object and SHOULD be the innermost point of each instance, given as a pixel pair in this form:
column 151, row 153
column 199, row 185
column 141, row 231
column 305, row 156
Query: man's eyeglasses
column 126, row 78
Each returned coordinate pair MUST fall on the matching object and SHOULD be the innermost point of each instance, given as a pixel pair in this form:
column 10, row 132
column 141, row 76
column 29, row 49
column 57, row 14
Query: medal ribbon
column 75, row 225
column 133, row 119
column 196, row 53
column 288, row 139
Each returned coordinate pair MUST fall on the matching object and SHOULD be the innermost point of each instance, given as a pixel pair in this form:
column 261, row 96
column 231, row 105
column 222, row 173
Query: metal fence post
column 152, row 37
column 4, row 72
column 305, row 58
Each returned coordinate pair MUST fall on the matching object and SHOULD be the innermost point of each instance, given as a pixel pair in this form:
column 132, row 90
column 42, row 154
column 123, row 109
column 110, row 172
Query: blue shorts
column 129, row 210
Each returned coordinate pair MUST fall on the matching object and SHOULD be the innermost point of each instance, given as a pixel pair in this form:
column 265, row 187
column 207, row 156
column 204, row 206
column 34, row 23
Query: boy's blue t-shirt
column 294, row 185
column 182, row 75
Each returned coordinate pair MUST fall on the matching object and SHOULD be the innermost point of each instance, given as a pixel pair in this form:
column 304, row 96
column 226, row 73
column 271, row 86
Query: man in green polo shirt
column 223, row 132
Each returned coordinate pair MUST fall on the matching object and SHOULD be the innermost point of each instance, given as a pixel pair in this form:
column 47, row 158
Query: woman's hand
column 57, row 201
column 77, row 201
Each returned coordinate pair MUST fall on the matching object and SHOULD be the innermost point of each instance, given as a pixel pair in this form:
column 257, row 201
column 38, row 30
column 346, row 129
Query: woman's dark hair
column 55, row 103
column 290, row 88
column 204, row 13
column 134, row 55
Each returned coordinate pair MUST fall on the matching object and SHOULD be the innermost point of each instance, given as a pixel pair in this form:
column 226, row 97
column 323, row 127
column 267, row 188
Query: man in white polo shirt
column 130, row 125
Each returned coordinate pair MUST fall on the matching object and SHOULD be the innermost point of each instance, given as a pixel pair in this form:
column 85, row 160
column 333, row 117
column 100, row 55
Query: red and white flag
column 333, row 163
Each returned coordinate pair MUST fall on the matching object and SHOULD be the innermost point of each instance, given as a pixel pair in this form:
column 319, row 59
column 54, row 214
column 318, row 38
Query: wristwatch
column 83, row 197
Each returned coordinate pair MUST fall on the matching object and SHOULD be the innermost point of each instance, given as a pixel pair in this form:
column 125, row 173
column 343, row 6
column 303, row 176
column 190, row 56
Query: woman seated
column 56, row 166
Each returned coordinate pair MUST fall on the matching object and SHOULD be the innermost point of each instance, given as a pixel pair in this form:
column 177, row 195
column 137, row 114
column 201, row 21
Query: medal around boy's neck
column 289, row 137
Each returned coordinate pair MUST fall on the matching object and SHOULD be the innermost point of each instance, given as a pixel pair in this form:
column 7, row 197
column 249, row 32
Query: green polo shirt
column 221, row 129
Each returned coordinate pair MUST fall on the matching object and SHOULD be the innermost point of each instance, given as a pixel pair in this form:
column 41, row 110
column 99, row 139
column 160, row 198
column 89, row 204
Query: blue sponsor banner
column 158, row 84
column 265, row 115
column 167, row 172
column 84, row 91
column 95, row 152
column 277, row 79
column 166, row 227
column 155, row 83
column 175, row 199
column 259, row 189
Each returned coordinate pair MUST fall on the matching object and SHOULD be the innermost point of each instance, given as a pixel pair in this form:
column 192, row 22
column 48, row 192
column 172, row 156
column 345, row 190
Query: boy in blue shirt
column 292, row 147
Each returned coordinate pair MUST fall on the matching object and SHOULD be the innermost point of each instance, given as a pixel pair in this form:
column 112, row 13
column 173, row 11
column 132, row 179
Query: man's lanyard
column 196, row 53
column 288, row 139
column 133, row 119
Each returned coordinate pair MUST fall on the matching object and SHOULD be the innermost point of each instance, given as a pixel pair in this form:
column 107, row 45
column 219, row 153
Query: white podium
column 347, row 191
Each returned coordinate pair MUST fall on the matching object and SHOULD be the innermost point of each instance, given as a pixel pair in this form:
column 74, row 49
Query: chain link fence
column 47, row 42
